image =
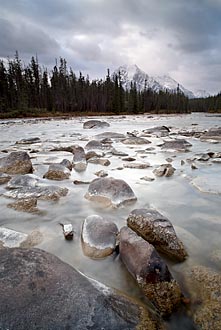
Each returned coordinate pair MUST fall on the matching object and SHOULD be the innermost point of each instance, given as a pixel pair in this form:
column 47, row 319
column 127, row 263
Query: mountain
column 132, row 73
column 201, row 93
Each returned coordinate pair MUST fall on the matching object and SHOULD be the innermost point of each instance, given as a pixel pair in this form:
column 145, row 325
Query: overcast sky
column 181, row 38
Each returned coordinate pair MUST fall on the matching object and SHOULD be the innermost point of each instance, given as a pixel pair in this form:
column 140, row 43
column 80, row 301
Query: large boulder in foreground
column 17, row 162
column 95, row 124
column 39, row 291
column 98, row 236
column 150, row 271
column 157, row 230
column 110, row 192
column 204, row 286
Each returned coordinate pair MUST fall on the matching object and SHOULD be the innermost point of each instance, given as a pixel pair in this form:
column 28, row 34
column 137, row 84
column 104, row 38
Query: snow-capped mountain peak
column 132, row 73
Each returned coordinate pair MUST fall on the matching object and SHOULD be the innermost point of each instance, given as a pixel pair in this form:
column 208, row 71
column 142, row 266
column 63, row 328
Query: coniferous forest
column 32, row 90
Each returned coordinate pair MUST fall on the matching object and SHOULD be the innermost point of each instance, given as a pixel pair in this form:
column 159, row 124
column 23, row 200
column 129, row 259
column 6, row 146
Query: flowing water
column 194, row 214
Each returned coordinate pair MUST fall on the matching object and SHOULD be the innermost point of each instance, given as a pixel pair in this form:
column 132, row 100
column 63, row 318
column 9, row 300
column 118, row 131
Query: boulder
column 57, row 172
column 79, row 160
column 164, row 170
column 204, row 286
column 39, row 291
column 94, row 145
column 17, row 162
column 157, row 230
column 43, row 192
column 66, row 163
column 136, row 165
column 29, row 141
column 99, row 161
column 178, row 144
column 212, row 134
column 92, row 154
column 135, row 140
column 98, row 237
column 95, row 124
column 101, row 174
column 4, row 178
column 150, row 271
column 11, row 238
column 159, row 131
column 21, row 181
column 110, row 192
column 26, row 205
column 118, row 153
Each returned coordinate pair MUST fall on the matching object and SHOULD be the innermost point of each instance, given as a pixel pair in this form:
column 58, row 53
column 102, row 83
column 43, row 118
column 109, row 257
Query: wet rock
column 212, row 134
column 29, row 141
column 95, row 124
column 98, row 237
column 67, row 231
column 41, row 192
column 157, row 230
column 215, row 257
column 182, row 162
column 179, row 145
column 79, row 160
column 209, row 184
column 136, row 165
column 57, row 172
column 110, row 135
column 25, row 205
column 33, row 239
column 147, row 178
column 135, row 140
column 21, row 181
column 92, row 154
column 150, row 271
column 169, row 160
column 204, row 158
column 118, row 153
column 17, row 162
column 164, row 170
column 101, row 173
column 11, row 238
column 193, row 166
column 70, row 149
column 94, row 144
column 204, row 286
column 129, row 159
column 99, row 161
column 159, row 131
column 81, row 182
column 4, row 178
column 45, row 293
column 110, row 192
column 66, row 163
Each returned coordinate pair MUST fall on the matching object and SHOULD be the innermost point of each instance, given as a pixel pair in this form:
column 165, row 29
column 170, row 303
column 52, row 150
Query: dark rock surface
column 98, row 236
column 157, row 230
column 29, row 141
column 95, row 124
column 150, row 271
column 66, row 163
column 17, row 162
column 39, row 291
column 110, row 192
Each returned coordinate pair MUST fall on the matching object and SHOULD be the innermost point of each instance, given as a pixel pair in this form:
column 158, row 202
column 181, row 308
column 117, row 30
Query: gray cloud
column 174, row 36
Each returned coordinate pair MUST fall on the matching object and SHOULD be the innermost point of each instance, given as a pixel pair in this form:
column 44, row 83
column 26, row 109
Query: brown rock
column 17, row 162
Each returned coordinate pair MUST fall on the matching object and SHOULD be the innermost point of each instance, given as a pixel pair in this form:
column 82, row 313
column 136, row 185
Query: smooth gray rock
column 66, row 163
column 159, row 131
column 57, row 172
column 110, row 192
column 92, row 154
column 212, row 134
column 179, row 145
column 17, row 162
column 110, row 135
column 21, row 181
column 150, row 271
column 11, row 238
column 135, row 140
column 95, row 124
column 94, row 145
column 98, row 236
column 79, row 159
column 157, row 230
column 39, row 291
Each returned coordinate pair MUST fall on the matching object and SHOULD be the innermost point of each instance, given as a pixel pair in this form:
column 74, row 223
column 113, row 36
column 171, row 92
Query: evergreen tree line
column 209, row 104
column 32, row 88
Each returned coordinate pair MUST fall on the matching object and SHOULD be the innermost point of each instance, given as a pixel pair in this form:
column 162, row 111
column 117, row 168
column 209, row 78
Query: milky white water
column 194, row 214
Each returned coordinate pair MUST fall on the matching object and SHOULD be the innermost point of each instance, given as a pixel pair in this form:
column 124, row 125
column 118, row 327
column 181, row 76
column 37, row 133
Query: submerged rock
column 11, row 238
column 164, row 170
column 135, row 140
column 179, row 145
column 17, row 162
column 95, row 124
column 25, row 205
column 110, row 192
column 79, row 160
column 157, row 230
column 98, row 237
column 210, row 184
column 204, row 285
column 45, row 293
column 57, row 172
column 150, row 271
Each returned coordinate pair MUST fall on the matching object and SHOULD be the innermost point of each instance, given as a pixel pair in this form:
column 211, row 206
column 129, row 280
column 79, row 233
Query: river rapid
column 193, row 209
